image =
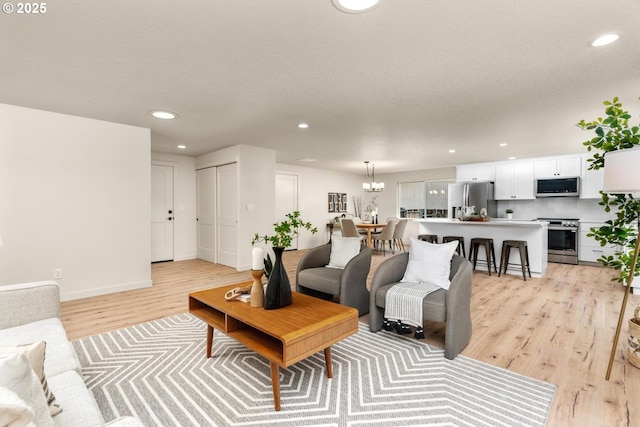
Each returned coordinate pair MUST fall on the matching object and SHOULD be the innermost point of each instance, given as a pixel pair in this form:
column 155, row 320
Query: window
column 423, row 199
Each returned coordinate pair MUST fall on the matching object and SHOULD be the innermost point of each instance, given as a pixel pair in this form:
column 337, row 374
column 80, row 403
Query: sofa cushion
column 80, row 408
column 35, row 352
column 17, row 376
column 60, row 354
column 321, row 279
column 433, row 305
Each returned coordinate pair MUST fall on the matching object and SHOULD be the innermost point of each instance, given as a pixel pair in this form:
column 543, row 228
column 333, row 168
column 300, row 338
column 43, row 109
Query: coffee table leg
column 209, row 340
column 327, row 360
column 275, row 384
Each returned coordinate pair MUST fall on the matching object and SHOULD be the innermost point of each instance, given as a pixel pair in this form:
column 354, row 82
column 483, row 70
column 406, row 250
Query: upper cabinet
column 476, row 172
column 592, row 180
column 558, row 167
column 514, row 180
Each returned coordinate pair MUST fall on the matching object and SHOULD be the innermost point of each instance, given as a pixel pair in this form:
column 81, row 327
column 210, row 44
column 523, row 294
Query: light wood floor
column 557, row 329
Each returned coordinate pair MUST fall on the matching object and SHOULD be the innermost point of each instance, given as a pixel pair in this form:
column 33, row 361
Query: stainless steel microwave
column 558, row 187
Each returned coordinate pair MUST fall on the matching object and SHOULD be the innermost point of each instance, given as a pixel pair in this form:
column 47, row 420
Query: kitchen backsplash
column 555, row 207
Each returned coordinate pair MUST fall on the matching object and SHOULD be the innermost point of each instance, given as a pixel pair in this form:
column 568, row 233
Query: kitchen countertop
column 535, row 233
column 501, row 222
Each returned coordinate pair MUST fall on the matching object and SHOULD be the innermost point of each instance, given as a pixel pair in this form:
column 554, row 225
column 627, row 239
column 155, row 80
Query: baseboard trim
column 69, row 296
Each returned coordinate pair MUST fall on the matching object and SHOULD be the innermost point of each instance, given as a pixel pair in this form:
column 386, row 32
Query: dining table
column 369, row 227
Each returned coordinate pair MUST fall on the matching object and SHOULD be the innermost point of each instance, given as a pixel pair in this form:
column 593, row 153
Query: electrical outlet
column 57, row 273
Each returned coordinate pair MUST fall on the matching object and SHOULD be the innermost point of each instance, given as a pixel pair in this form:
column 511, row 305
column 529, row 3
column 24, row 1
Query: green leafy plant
column 613, row 133
column 509, row 211
column 286, row 231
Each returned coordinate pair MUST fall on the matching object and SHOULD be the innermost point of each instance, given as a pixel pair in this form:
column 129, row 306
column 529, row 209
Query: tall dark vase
column 278, row 293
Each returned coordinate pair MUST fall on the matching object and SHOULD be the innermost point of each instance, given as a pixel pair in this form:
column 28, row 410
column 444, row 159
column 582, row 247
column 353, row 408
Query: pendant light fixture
column 372, row 186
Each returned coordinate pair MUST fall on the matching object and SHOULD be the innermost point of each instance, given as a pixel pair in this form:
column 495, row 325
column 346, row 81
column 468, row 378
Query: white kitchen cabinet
column 589, row 249
column 558, row 167
column 476, row 172
column 514, row 180
column 592, row 180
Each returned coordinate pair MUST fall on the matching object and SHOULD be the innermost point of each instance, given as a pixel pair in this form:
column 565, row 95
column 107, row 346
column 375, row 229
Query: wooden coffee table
column 283, row 336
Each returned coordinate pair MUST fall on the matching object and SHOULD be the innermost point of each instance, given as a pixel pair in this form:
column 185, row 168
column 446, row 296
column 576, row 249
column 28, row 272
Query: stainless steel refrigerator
column 478, row 194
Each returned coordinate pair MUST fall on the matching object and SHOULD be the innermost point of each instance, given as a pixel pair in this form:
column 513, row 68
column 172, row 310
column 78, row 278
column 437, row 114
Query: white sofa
column 30, row 312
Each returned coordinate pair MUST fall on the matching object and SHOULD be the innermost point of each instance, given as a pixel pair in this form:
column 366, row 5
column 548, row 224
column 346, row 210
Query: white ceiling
column 400, row 85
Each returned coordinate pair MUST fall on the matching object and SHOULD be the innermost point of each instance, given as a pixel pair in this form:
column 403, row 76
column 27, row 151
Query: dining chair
column 385, row 236
column 398, row 234
column 349, row 228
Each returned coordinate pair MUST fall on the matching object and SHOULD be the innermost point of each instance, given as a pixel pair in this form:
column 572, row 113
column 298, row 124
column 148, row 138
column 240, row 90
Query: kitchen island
column 534, row 232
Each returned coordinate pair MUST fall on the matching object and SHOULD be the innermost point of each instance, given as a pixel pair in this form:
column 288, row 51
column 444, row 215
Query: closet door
column 227, row 214
column 206, row 190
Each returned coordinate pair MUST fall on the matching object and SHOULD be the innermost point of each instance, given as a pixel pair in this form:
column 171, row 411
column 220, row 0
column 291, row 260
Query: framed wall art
column 337, row 202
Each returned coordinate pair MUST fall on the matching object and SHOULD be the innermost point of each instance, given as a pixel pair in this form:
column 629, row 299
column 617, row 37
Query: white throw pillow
column 35, row 352
column 342, row 250
column 14, row 412
column 17, row 376
column 430, row 263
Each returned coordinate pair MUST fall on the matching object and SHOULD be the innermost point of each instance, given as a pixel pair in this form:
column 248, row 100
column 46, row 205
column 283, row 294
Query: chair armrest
column 458, row 327
column 316, row 257
column 353, row 281
column 459, row 293
column 390, row 271
column 28, row 302
column 357, row 269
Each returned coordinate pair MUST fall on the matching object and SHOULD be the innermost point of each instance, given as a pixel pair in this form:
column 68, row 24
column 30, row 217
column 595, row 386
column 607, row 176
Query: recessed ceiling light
column 504, row 144
column 355, row 6
column 165, row 115
column 303, row 125
column 452, row 151
column 605, row 40
column 182, row 147
column 512, row 158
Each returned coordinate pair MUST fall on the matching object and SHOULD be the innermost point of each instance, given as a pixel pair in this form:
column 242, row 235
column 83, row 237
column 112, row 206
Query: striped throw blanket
column 404, row 301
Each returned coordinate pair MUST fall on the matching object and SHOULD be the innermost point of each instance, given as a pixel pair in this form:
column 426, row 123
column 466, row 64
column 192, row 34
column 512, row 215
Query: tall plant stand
column 632, row 271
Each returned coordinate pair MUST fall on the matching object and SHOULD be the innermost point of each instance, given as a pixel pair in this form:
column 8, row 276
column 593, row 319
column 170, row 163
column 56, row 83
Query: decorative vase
column 278, row 293
column 509, row 215
column 257, row 290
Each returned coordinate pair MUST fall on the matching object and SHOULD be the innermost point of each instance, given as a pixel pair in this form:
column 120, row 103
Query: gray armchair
column 452, row 306
column 349, row 284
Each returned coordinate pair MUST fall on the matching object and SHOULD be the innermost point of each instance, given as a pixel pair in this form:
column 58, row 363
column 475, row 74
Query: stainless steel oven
column 563, row 240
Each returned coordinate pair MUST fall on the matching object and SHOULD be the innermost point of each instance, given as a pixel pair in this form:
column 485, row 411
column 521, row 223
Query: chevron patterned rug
column 158, row 372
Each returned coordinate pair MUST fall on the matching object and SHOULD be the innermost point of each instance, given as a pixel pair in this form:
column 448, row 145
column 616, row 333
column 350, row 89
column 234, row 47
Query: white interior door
column 286, row 199
column 226, row 215
column 162, row 217
column 206, row 212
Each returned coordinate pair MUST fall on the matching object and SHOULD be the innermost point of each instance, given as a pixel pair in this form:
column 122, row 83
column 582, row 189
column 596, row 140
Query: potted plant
column 509, row 213
column 278, row 287
column 372, row 209
column 614, row 133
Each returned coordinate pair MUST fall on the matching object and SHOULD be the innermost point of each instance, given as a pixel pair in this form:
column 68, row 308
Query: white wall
column 184, row 202
column 314, row 185
column 555, row 207
column 74, row 194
